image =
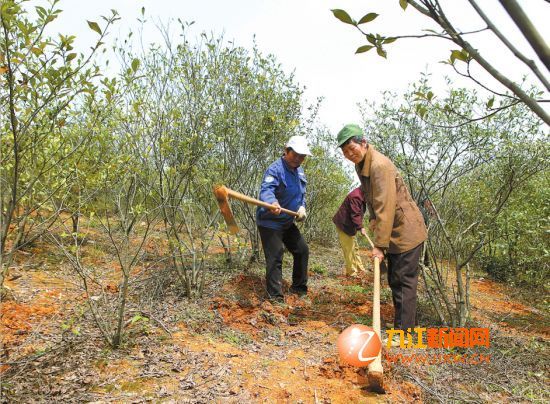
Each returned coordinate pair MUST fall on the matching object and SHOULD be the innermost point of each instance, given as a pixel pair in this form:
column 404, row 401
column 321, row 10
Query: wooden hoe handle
column 257, row 202
column 376, row 371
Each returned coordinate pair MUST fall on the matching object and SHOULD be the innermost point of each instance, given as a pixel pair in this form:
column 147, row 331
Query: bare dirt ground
column 232, row 345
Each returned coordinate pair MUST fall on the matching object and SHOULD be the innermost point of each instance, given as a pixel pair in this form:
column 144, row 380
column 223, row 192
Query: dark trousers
column 272, row 242
column 403, row 280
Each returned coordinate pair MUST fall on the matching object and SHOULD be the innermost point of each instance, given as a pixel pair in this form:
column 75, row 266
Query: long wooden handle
column 370, row 241
column 257, row 202
column 376, row 365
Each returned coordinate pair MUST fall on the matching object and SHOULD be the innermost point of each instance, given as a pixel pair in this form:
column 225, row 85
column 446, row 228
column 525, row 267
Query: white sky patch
column 307, row 39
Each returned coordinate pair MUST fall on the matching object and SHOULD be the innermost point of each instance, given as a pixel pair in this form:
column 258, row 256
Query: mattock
column 375, row 370
column 223, row 194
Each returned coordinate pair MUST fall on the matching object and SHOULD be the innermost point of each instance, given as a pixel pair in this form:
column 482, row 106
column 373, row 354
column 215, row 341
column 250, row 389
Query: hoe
column 222, row 195
column 376, row 372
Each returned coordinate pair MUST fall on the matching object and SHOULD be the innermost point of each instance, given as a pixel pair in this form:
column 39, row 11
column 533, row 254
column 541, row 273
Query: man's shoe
column 276, row 299
column 299, row 292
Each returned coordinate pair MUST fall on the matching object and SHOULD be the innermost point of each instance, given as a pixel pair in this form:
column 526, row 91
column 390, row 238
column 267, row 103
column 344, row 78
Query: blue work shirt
column 284, row 185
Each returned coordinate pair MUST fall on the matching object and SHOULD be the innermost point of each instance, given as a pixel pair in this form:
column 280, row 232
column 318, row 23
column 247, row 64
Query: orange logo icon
column 358, row 345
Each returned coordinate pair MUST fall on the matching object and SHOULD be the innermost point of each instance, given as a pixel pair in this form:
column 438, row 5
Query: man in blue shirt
column 284, row 185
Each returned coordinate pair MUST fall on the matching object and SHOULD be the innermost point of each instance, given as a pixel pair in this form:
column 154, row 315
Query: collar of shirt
column 363, row 167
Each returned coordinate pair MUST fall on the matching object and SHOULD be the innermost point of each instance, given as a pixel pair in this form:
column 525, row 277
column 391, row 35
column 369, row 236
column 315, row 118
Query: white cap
column 299, row 145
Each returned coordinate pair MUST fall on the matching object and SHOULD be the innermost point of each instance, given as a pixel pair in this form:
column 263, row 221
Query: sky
column 306, row 39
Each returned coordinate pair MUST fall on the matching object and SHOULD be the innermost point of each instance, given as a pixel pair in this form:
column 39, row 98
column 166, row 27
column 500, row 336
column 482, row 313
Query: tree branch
column 474, row 54
column 529, row 62
column 528, row 30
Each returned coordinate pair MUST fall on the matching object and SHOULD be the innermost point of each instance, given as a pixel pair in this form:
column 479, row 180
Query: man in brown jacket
column 398, row 226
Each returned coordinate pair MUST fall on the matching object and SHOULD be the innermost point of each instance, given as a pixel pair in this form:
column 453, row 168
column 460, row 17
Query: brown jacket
column 399, row 223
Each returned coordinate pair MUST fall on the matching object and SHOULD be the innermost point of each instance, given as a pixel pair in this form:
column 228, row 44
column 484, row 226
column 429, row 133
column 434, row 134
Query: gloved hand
column 301, row 214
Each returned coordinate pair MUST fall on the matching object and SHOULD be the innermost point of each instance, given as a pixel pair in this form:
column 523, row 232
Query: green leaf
column 367, row 18
column 70, row 57
column 421, row 111
column 343, row 16
column 490, row 103
column 390, row 40
column 137, row 318
column 460, row 55
column 364, row 48
column 453, row 56
column 371, row 38
column 381, row 52
column 403, row 4
column 93, row 25
column 135, row 64
column 41, row 11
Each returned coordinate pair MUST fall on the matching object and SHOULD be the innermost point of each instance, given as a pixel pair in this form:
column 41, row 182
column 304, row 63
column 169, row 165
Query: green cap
column 347, row 132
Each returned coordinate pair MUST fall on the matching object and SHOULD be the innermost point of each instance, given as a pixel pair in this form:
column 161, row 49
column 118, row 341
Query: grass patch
column 365, row 320
column 318, row 269
column 236, row 338
column 357, row 289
